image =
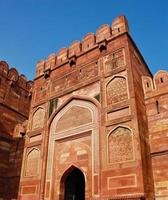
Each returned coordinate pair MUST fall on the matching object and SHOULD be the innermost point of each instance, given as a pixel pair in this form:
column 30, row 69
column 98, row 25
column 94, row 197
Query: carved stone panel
column 76, row 77
column 38, row 119
column 116, row 90
column 120, row 145
column 114, row 60
column 32, row 163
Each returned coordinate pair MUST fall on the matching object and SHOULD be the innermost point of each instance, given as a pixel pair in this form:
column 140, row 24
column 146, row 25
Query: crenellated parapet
column 15, row 89
column 156, row 93
column 156, row 102
column 15, row 99
column 13, row 76
column 157, row 84
column 90, row 41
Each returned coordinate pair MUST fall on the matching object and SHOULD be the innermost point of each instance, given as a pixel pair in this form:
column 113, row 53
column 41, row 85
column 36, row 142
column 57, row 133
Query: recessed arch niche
column 75, row 122
column 32, row 162
column 38, row 118
column 120, row 145
column 116, row 90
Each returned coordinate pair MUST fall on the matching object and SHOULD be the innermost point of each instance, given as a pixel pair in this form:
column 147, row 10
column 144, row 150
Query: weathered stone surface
column 14, row 110
column 120, row 141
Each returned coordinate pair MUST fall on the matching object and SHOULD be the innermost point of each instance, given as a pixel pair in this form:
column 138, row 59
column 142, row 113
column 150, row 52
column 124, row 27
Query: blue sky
column 30, row 30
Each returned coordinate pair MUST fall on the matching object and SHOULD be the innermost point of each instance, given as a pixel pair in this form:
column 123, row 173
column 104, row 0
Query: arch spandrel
column 74, row 117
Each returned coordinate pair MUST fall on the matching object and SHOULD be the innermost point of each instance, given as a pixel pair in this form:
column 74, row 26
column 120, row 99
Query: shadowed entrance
column 74, row 185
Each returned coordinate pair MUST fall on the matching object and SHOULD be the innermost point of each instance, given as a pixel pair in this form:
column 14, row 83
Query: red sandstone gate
column 73, row 144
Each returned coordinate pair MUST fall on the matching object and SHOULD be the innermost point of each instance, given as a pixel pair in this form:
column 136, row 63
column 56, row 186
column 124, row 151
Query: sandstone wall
column 88, row 112
column 156, row 101
column 14, row 110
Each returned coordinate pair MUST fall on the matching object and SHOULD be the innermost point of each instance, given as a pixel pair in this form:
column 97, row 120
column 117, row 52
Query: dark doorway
column 75, row 186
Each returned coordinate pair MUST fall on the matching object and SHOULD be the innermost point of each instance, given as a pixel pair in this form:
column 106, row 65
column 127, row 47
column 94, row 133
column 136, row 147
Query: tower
column 88, row 122
column 14, row 110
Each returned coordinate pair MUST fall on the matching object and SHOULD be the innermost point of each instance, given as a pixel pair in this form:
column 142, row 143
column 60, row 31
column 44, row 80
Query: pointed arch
column 38, row 118
column 116, row 90
column 72, row 180
column 68, row 137
column 120, row 145
column 32, row 162
column 69, row 170
column 77, row 98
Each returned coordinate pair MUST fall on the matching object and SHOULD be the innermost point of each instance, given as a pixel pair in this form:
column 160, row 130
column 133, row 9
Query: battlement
column 156, row 85
column 89, row 42
column 13, row 76
column 15, row 89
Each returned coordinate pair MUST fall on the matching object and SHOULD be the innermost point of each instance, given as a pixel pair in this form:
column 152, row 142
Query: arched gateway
column 72, row 168
column 73, row 184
